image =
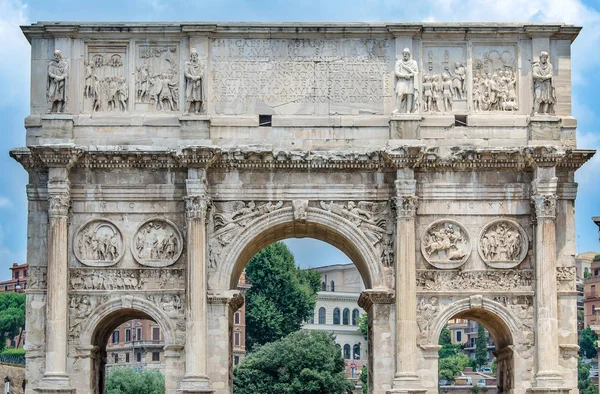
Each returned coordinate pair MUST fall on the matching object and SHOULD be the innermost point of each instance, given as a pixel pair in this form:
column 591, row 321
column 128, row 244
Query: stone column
column 196, row 203
column 378, row 305
column 543, row 199
column 56, row 379
column 405, row 378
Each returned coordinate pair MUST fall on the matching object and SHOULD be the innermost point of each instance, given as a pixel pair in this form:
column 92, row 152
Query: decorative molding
column 368, row 298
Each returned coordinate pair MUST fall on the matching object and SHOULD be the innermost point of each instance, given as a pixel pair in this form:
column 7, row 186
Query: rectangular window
column 127, row 335
column 236, row 339
column 126, row 357
column 115, row 337
column 155, row 334
column 236, row 318
column 155, row 356
column 139, row 357
column 236, row 360
column 116, row 356
column 459, row 336
column 139, row 334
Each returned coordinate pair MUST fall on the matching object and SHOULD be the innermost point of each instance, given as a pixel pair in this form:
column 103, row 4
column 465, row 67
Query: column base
column 408, row 383
column 195, row 385
column 55, row 384
column 548, row 382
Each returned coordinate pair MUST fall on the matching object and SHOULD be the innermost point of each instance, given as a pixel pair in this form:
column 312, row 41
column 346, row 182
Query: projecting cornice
column 265, row 157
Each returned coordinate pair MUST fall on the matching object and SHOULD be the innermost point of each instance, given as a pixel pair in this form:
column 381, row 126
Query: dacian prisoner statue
column 410, row 147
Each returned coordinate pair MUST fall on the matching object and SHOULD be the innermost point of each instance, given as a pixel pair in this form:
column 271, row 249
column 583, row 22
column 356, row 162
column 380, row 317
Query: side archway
column 320, row 224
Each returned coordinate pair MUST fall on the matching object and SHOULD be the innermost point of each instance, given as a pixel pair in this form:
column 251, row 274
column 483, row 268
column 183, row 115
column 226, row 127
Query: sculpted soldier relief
column 543, row 90
column 503, row 244
column 57, row 83
column 157, row 77
column 126, row 279
column 446, row 244
column 495, row 79
column 105, row 84
column 99, row 243
column 444, row 81
column 496, row 280
column 157, row 243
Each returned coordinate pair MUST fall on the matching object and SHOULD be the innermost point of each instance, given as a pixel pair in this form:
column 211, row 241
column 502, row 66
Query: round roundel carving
column 503, row 244
column 99, row 243
column 157, row 243
column 446, row 244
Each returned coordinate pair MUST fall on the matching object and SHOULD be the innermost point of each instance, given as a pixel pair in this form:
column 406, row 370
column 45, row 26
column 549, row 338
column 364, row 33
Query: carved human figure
column 122, row 94
column 458, row 80
column 544, row 96
column 502, row 242
column 426, row 311
column 88, row 91
column 428, row 93
column 193, row 84
column 447, row 92
column 57, row 83
column 406, row 71
column 143, row 82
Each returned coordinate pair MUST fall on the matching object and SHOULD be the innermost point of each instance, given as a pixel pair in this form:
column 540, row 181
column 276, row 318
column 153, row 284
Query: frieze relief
column 127, row 279
column 37, row 278
column 105, row 79
column 566, row 278
column 446, row 244
column 495, row 78
column 99, row 243
column 157, row 77
column 503, row 244
column 227, row 219
column 157, row 243
column 444, row 82
column 458, row 280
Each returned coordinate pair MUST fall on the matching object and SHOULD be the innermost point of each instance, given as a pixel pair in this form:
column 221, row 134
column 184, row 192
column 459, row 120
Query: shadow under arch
column 319, row 224
column 500, row 323
column 103, row 320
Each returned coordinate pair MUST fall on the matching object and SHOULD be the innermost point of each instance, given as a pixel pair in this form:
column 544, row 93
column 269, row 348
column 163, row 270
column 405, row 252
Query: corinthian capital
column 196, row 207
column 544, row 206
column 406, row 206
column 58, row 205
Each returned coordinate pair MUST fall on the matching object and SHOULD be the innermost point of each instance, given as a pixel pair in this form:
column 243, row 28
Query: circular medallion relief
column 99, row 243
column 157, row 243
column 503, row 244
column 446, row 244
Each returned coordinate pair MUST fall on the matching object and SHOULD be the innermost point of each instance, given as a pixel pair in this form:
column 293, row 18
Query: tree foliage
column 587, row 343
column 481, row 353
column 304, row 362
column 12, row 315
column 364, row 379
column 363, row 325
column 125, row 380
column 448, row 349
column 449, row 367
column 281, row 298
column 584, row 382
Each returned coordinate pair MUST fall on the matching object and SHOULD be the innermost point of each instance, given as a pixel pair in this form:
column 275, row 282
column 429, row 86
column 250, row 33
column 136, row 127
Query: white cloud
column 5, row 202
column 14, row 52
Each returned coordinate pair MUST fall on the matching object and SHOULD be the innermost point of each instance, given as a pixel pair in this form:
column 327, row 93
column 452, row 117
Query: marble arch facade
column 440, row 158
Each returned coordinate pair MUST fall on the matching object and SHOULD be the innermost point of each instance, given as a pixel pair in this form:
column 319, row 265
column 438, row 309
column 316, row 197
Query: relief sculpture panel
column 127, row 279
column 105, row 78
column 503, row 244
column 99, row 243
column 446, row 244
column 157, row 243
column 496, row 280
column 157, row 77
column 495, row 78
column 444, row 79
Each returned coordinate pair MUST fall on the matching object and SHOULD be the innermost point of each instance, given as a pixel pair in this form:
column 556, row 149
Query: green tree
column 304, row 362
column 448, row 349
column 584, row 382
column 450, row 366
column 12, row 315
column 363, row 325
column 587, row 343
column 481, row 352
column 364, row 379
column 125, row 380
column 281, row 298
column 596, row 257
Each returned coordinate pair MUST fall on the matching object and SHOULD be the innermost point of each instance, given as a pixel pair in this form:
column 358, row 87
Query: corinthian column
column 405, row 377
column 56, row 379
column 543, row 201
column 196, row 204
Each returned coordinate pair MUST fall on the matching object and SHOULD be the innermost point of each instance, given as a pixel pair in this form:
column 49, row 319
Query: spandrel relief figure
column 406, row 71
column 446, row 244
column 543, row 90
column 503, row 244
column 193, row 84
column 157, row 243
column 99, row 243
column 57, row 83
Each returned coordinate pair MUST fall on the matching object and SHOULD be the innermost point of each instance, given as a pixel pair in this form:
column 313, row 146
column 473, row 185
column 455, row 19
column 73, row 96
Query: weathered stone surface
column 163, row 156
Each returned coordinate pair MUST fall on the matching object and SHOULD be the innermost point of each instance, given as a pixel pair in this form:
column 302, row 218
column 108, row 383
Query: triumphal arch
column 440, row 158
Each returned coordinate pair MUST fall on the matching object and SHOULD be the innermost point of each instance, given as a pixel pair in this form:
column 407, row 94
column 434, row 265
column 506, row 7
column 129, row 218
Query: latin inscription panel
column 308, row 76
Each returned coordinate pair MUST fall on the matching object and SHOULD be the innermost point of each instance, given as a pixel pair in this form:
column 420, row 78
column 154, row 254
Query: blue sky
column 14, row 78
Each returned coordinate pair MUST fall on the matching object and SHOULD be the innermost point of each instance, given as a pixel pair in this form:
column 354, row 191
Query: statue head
column 193, row 55
column 458, row 64
column 406, row 54
column 543, row 57
column 58, row 55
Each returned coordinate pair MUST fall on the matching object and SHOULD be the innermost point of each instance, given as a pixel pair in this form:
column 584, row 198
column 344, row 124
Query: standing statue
column 57, row 83
column 406, row 71
column 543, row 91
column 193, row 83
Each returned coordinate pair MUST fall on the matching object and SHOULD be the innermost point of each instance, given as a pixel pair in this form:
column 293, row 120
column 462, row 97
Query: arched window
column 356, row 351
column 321, row 315
column 332, row 286
column 347, row 352
column 336, row 316
column 355, row 315
column 346, row 316
column 323, row 286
